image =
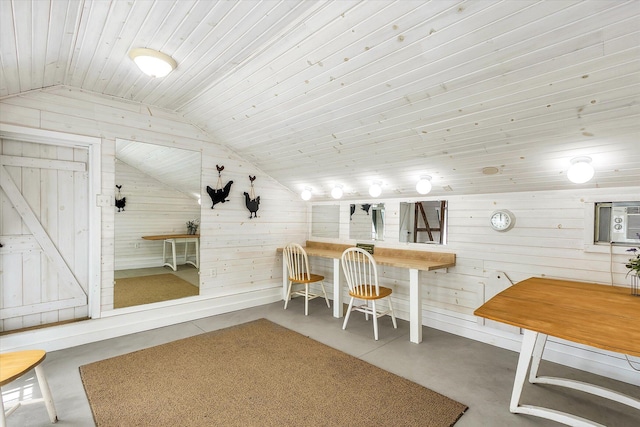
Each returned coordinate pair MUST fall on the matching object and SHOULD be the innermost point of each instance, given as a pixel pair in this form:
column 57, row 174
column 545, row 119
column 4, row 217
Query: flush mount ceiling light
column 376, row 189
column 152, row 62
column 306, row 193
column 424, row 184
column 580, row 170
column 336, row 193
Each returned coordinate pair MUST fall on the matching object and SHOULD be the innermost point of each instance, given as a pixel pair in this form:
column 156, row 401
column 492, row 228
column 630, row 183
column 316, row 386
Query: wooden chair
column 16, row 364
column 361, row 273
column 300, row 274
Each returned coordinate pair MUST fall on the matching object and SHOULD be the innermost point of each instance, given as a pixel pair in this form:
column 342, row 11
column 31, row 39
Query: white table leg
column 196, row 243
column 285, row 278
column 197, row 253
column 538, row 349
column 573, row 384
column 415, row 307
column 337, row 290
column 172, row 242
column 3, row 418
column 528, row 343
column 532, row 343
column 46, row 394
column 173, row 253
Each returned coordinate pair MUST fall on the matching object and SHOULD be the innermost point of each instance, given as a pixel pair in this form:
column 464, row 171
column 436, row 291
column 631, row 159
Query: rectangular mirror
column 325, row 221
column 367, row 222
column 156, row 252
column 424, row 222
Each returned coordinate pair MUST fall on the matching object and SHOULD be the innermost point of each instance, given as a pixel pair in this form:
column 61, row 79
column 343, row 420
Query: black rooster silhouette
column 120, row 201
column 219, row 196
column 252, row 205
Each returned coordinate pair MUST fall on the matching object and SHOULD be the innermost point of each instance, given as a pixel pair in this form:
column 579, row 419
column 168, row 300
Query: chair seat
column 313, row 278
column 384, row 292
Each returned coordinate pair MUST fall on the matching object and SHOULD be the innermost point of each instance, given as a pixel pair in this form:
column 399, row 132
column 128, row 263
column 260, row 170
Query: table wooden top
column 172, row 236
column 419, row 260
column 601, row 316
column 13, row 365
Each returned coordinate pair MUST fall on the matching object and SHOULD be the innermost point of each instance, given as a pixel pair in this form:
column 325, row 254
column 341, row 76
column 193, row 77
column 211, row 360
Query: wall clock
column 502, row 220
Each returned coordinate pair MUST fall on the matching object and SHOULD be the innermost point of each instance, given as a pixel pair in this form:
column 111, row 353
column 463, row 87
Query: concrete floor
column 476, row 374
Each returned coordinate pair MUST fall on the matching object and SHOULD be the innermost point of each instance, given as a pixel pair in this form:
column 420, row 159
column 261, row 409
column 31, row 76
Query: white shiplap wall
column 238, row 253
column 549, row 239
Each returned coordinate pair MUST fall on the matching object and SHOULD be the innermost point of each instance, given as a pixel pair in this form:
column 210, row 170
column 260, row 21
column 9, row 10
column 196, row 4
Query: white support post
column 337, row 289
column 415, row 307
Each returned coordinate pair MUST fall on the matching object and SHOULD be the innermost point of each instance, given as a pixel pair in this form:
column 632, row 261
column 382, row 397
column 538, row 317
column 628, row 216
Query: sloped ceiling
column 318, row 93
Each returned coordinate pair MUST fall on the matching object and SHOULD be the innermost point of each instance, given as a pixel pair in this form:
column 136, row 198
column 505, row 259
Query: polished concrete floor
column 476, row 374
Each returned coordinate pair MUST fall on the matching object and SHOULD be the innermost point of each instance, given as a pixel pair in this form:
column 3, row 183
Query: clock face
column 502, row 220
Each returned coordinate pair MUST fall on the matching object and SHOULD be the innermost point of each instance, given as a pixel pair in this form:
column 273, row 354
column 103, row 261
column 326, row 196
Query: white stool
column 16, row 364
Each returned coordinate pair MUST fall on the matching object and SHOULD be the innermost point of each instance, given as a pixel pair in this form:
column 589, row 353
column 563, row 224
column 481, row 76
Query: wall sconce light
column 376, row 189
column 151, row 62
column 337, row 192
column 306, row 194
column 424, row 184
column 580, row 170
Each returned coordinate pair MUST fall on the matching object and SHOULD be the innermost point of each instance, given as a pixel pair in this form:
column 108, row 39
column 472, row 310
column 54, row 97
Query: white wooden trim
column 42, row 136
column 9, row 312
column 19, row 244
column 31, row 162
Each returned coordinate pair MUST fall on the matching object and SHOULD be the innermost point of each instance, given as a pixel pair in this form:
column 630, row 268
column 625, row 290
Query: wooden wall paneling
column 11, row 277
column 38, row 200
column 48, row 193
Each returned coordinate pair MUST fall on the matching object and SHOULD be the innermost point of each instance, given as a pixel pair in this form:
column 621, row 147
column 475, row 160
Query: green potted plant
column 634, row 270
column 192, row 226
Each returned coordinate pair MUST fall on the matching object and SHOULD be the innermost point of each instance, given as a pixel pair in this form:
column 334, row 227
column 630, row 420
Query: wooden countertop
column 171, row 236
column 420, row 260
column 606, row 317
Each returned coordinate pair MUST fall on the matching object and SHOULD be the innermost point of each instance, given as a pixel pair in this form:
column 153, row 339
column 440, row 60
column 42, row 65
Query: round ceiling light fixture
column 151, row 62
column 306, row 194
column 337, row 192
column 580, row 170
column 376, row 189
column 424, row 184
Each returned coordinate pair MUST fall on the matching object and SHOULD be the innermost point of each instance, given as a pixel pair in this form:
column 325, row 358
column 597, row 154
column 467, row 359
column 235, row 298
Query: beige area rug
column 256, row 374
column 147, row 289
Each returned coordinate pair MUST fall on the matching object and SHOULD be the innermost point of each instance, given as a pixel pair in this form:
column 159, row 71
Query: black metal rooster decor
column 120, row 201
column 220, row 193
column 251, row 201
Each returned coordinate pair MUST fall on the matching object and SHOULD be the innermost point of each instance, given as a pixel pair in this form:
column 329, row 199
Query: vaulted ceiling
column 318, row 93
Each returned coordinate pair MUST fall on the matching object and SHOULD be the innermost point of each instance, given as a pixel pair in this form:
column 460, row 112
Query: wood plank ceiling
column 317, row 93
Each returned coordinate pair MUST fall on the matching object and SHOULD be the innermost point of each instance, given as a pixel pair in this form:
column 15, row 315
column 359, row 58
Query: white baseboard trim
column 92, row 330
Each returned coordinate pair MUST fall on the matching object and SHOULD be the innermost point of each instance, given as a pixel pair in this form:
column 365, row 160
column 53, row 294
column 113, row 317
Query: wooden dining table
column 600, row 316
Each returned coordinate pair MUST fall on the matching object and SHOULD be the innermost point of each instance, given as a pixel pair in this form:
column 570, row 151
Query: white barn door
column 44, row 232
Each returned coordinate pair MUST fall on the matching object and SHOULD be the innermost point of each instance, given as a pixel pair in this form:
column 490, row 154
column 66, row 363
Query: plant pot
column 635, row 285
column 192, row 230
